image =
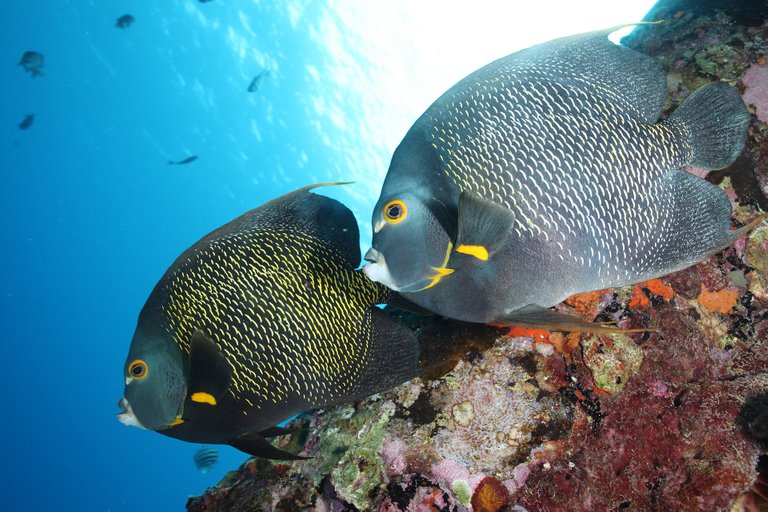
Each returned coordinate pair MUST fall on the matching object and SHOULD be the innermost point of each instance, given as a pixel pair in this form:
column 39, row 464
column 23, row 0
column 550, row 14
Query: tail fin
column 717, row 119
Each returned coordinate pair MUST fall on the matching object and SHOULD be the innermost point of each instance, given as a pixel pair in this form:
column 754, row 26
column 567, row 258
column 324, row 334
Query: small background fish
column 27, row 122
column 184, row 161
column 124, row 21
column 205, row 458
column 32, row 62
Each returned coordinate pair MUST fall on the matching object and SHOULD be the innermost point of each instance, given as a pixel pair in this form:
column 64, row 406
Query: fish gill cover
column 94, row 215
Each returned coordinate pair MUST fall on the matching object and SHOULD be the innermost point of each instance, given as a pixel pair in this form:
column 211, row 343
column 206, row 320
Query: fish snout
column 377, row 270
column 127, row 417
column 372, row 256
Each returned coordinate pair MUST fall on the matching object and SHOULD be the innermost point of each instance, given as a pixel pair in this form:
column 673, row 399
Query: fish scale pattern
column 577, row 169
column 283, row 308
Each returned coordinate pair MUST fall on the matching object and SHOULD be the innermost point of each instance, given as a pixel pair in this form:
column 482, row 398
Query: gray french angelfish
column 261, row 319
column 547, row 173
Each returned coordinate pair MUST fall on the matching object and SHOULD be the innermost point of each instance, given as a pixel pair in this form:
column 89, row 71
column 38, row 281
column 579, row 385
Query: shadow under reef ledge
column 670, row 419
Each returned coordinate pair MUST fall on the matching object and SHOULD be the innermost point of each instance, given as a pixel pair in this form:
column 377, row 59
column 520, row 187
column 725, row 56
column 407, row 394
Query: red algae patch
column 490, row 496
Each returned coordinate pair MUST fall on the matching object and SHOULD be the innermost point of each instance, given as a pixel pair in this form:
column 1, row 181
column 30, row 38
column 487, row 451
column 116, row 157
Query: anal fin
column 255, row 444
column 280, row 431
column 543, row 318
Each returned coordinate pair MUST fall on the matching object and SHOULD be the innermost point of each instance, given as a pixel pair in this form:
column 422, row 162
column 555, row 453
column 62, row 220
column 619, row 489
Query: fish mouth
column 127, row 417
column 378, row 272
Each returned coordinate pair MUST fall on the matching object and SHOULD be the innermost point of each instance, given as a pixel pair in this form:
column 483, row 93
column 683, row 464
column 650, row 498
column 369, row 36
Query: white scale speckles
column 568, row 159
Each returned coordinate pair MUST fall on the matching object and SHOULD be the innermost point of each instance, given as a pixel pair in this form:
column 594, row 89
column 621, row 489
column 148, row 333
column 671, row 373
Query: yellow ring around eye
column 395, row 211
column 138, row 369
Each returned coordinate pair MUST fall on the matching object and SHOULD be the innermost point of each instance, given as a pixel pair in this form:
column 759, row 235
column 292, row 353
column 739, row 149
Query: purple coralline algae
column 671, row 418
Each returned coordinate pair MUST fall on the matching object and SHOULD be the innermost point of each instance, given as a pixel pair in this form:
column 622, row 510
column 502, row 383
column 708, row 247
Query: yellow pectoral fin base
column 441, row 273
column 203, row 398
column 176, row 421
column 478, row 251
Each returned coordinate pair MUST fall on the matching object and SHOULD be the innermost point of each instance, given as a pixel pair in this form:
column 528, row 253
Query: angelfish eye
column 395, row 211
column 138, row 369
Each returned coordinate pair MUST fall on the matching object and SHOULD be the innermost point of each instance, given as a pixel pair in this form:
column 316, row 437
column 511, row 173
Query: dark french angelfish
column 547, row 173
column 261, row 319
column 32, row 62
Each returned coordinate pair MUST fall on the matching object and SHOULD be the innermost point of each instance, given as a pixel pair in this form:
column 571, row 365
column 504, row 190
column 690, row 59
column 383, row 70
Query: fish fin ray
column 308, row 213
column 548, row 319
column 630, row 81
column 716, row 119
column 254, row 444
column 484, row 226
column 698, row 225
column 280, row 431
column 209, row 372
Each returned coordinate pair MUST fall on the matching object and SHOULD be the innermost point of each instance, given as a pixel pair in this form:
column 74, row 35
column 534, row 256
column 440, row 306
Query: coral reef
column 672, row 418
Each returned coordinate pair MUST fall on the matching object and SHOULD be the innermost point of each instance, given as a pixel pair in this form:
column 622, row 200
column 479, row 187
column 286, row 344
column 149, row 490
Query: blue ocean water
column 92, row 214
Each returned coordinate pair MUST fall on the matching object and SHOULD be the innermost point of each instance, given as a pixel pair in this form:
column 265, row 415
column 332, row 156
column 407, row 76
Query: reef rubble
column 673, row 418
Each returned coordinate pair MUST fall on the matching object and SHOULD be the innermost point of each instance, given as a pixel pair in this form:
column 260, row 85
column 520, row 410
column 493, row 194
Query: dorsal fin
column 304, row 212
column 630, row 81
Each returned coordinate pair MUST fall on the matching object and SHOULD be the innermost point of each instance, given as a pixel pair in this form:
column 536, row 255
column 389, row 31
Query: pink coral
column 756, row 82
column 448, row 471
column 393, row 456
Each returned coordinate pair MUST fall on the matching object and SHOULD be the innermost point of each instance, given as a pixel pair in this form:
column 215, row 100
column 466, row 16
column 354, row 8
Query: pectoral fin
column 484, row 226
column 255, row 444
column 209, row 373
column 551, row 320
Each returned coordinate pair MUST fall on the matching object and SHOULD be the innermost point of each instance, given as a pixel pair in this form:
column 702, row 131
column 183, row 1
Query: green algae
column 612, row 359
column 462, row 491
column 360, row 469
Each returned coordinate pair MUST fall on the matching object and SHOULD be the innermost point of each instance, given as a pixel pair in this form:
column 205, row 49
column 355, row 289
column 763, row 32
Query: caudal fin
column 717, row 119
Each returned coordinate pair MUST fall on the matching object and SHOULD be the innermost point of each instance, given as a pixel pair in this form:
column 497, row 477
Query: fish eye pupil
column 138, row 369
column 395, row 211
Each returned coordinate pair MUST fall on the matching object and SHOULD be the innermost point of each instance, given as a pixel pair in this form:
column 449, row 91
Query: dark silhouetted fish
column 27, row 121
column 257, row 81
column 547, row 173
column 261, row 319
column 206, row 458
column 187, row 160
column 204, row 1
column 124, row 21
column 32, row 62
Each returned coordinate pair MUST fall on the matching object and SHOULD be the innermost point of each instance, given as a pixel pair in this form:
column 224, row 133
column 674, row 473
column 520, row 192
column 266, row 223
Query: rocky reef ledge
column 675, row 418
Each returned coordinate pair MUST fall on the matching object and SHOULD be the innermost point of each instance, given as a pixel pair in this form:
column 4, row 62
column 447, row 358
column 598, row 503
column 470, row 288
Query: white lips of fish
column 127, row 417
column 377, row 271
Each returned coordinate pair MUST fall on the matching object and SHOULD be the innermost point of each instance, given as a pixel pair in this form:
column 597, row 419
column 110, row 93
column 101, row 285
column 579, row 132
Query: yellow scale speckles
column 270, row 300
